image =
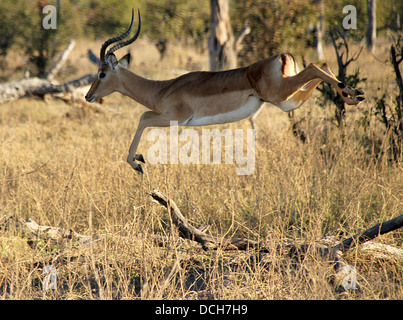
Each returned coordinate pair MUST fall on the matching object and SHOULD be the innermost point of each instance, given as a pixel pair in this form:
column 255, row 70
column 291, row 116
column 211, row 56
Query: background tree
column 10, row 17
column 221, row 41
column 223, row 45
column 21, row 27
column 320, row 30
column 371, row 30
column 276, row 25
column 344, row 57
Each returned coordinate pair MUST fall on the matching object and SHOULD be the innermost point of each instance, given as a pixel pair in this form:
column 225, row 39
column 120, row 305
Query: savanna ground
column 65, row 165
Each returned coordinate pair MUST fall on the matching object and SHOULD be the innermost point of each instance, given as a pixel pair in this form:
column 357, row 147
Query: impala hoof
column 359, row 92
column 139, row 169
column 139, row 157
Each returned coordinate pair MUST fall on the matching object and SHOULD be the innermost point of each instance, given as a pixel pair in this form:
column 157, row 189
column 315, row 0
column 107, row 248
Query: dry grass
column 70, row 171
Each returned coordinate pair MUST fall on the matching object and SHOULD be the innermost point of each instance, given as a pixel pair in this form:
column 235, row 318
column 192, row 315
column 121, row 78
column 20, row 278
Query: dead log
column 331, row 252
column 37, row 87
column 54, row 234
column 58, row 235
column 370, row 234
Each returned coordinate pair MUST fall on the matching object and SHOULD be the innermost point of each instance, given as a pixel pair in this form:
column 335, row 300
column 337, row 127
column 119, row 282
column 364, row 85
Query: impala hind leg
column 350, row 95
column 345, row 90
column 295, row 83
column 297, row 99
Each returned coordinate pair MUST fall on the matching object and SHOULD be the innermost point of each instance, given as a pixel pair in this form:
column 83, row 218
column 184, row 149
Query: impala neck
column 142, row 90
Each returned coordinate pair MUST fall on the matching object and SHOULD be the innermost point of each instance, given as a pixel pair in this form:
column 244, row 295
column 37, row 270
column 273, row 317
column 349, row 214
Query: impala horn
column 118, row 38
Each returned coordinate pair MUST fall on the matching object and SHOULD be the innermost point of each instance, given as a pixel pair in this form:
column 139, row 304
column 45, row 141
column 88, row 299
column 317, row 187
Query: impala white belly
column 252, row 105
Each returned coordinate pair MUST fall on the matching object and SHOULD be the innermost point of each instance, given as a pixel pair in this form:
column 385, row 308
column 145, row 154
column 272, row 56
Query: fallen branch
column 39, row 87
column 331, row 253
column 55, row 234
column 370, row 234
column 94, row 58
column 187, row 231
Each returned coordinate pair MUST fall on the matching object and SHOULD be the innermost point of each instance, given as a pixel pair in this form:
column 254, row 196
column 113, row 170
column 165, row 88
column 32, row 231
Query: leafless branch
column 94, row 58
column 187, row 231
column 55, row 69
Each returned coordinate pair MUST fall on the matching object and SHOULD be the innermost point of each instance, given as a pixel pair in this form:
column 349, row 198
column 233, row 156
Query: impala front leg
column 132, row 157
column 148, row 119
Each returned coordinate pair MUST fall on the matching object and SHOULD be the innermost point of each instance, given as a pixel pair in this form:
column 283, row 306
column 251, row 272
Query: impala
column 206, row 98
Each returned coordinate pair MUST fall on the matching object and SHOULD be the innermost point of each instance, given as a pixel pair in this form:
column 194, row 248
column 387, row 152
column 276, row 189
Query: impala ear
column 111, row 60
column 125, row 61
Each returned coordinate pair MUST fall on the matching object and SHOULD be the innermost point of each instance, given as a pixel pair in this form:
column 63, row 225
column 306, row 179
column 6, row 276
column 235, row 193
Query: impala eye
column 102, row 75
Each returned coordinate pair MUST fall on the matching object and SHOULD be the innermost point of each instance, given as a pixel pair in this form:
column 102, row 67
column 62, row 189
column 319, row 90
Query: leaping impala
column 206, row 98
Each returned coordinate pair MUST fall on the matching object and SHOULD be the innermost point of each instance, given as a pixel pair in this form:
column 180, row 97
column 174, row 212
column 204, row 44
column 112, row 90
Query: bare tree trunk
column 320, row 30
column 222, row 41
column 371, row 31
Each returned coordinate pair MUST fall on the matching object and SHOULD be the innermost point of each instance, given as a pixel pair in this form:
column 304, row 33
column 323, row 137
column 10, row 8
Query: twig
column 27, row 173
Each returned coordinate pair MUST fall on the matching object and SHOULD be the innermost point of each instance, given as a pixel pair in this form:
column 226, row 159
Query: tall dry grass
column 65, row 166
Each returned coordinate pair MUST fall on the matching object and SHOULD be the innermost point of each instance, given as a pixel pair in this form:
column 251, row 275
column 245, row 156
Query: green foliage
column 107, row 17
column 42, row 45
column 276, row 25
column 21, row 25
column 11, row 15
column 334, row 14
column 172, row 19
column 387, row 12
